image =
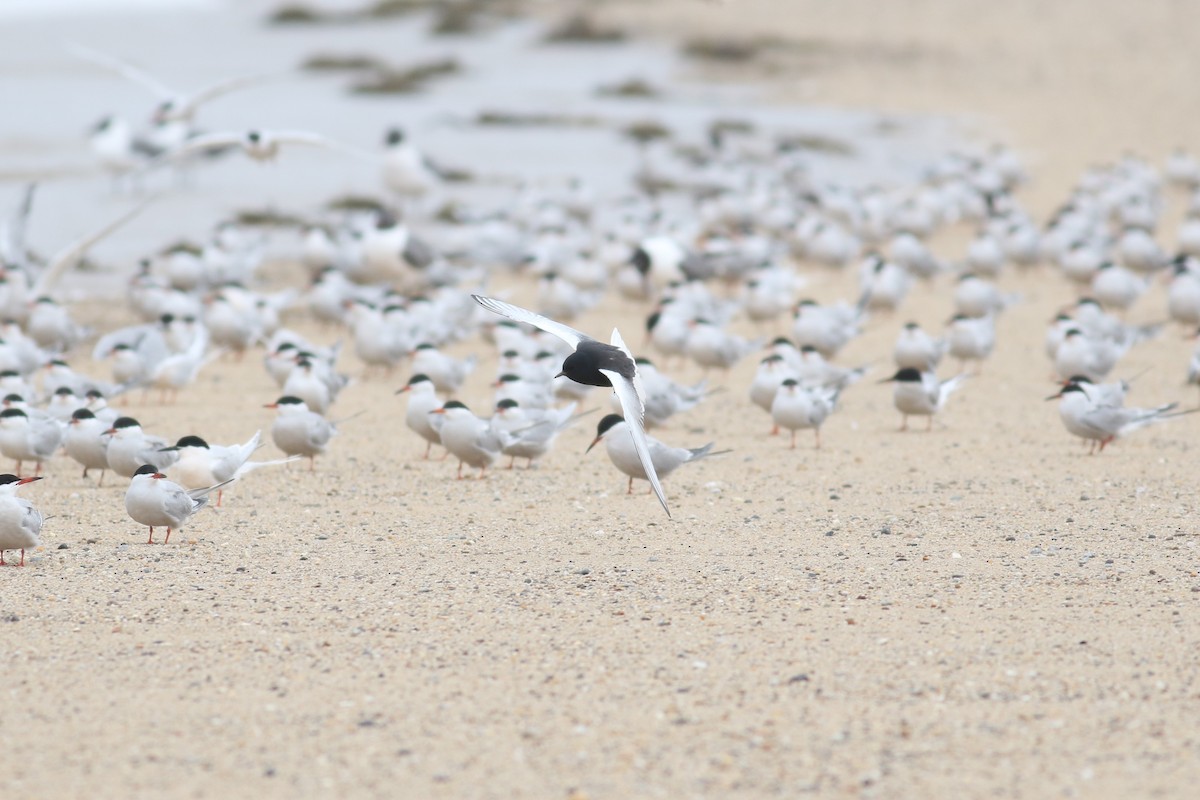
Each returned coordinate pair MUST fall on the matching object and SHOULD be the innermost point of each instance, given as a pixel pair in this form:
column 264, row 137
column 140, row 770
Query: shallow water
column 189, row 43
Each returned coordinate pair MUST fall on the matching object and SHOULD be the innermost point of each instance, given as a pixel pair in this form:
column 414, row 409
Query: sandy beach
column 982, row 610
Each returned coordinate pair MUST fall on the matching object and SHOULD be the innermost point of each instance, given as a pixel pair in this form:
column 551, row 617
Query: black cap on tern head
column 455, row 404
column 606, row 424
column 906, row 375
column 12, row 412
column 778, row 340
column 420, row 377
column 507, row 403
column 126, row 422
column 8, row 478
column 64, row 391
column 808, row 348
column 1078, row 379
column 508, row 377
column 13, row 398
column 288, row 400
column 1066, row 389
column 191, row 441
column 82, row 413
column 146, row 469
column 789, row 382
column 640, row 260
column 911, row 326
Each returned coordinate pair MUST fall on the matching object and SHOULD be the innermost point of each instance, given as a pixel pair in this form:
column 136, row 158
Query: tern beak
column 886, row 380
column 1053, row 396
column 24, row 481
column 561, row 375
column 402, row 389
column 438, row 411
column 271, row 405
column 593, row 444
column 168, row 449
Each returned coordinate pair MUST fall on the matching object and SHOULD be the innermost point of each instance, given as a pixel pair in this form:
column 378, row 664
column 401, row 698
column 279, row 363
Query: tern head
column 186, row 441
column 147, row 469
column 415, row 381
column 1066, row 390
column 79, row 415
column 12, row 416
column 288, row 402
column 124, row 424
column 8, row 479
column 640, row 260
column 906, row 375
column 605, row 425
column 453, row 406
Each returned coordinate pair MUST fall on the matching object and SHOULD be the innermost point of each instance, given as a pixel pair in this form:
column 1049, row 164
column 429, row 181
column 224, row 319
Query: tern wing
column 201, row 144
column 69, row 256
column 631, row 404
column 311, row 139
column 12, row 233
column 122, row 68
column 564, row 332
column 213, row 91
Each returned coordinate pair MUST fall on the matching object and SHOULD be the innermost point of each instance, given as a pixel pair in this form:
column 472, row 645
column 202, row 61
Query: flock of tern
column 711, row 241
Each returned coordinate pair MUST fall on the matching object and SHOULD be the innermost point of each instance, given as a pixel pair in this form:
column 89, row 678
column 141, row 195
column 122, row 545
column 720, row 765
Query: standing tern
column 156, row 502
column 1097, row 422
column 597, row 364
column 920, row 393
column 625, row 456
column 201, row 464
column 20, row 522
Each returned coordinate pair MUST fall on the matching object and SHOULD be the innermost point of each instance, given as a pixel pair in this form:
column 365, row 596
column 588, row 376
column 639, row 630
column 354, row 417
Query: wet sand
column 982, row 610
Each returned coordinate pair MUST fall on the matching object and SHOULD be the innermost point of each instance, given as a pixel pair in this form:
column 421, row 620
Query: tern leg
column 3, row 563
column 793, row 438
column 22, row 557
column 460, row 477
column 512, row 461
column 312, row 463
column 151, row 539
column 775, row 430
column 630, row 491
column 168, row 535
column 100, row 482
column 817, row 432
column 428, row 447
column 904, row 422
column 481, row 471
column 219, row 493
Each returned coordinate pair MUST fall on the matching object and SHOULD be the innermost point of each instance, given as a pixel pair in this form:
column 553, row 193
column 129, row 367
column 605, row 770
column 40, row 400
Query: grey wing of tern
column 517, row 314
column 70, row 255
